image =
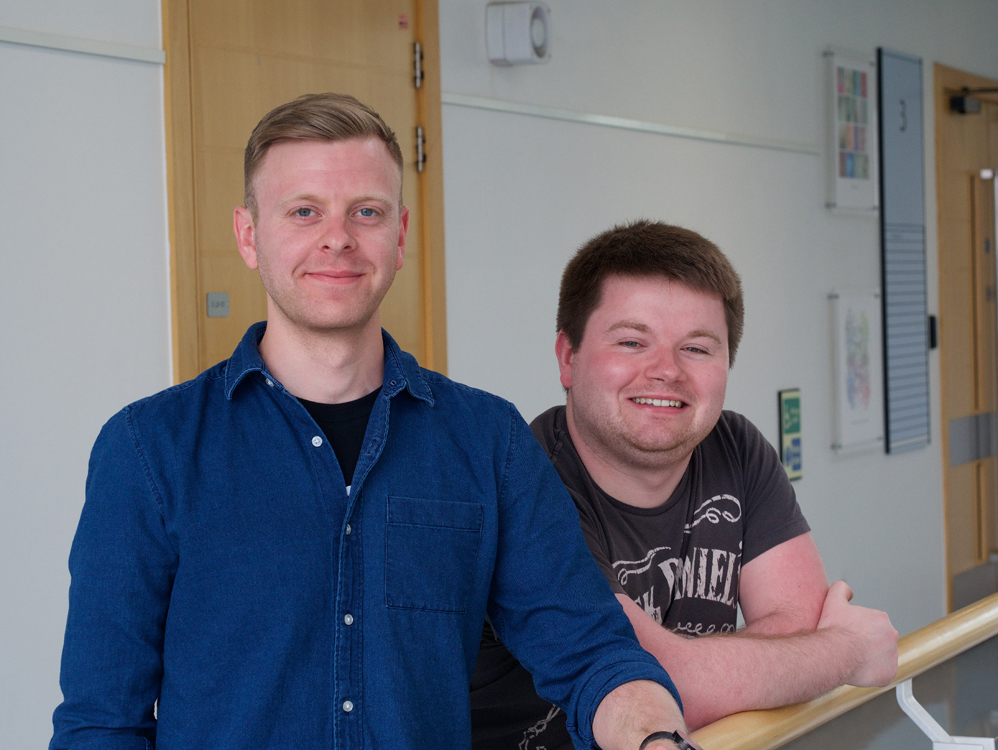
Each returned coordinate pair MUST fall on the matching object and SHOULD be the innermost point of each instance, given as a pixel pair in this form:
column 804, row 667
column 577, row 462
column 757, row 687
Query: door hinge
column 420, row 148
column 417, row 55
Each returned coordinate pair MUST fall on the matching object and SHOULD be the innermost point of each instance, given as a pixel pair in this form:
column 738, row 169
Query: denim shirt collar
column 401, row 369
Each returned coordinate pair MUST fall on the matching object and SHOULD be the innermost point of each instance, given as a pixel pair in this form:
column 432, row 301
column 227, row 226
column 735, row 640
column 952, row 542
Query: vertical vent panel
column 902, row 174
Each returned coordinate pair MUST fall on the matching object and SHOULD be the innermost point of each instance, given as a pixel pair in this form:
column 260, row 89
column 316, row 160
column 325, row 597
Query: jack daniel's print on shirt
column 680, row 562
column 661, row 578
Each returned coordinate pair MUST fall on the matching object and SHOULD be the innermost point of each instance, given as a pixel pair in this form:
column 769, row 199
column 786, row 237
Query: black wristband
column 671, row 736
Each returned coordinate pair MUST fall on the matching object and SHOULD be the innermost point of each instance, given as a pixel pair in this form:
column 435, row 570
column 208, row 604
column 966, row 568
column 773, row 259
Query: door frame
column 948, row 81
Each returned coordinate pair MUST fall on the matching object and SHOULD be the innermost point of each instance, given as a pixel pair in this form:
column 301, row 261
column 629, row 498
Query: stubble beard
column 301, row 313
column 619, row 443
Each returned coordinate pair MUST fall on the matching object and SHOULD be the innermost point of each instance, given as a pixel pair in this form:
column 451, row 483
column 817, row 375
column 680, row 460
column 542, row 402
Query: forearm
column 723, row 674
column 634, row 710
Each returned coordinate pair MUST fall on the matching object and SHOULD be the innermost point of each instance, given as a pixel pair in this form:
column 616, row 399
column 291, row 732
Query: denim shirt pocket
column 431, row 553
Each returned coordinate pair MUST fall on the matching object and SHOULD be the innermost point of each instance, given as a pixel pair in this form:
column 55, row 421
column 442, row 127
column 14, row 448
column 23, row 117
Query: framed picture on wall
column 853, row 184
column 859, row 373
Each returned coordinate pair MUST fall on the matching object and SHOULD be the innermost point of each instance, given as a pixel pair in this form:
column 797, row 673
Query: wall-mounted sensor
column 517, row 33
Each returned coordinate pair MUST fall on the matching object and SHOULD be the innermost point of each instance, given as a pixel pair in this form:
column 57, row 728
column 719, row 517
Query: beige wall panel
column 987, row 489
column 984, row 294
column 961, row 519
column 954, row 205
column 956, row 334
column 247, row 304
column 235, row 89
column 399, row 312
column 219, row 186
column 967, row 328
column 955, row 247
column 180, row 186
column 365, row 35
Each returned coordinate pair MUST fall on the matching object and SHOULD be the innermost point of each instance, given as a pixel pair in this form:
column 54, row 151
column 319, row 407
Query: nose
column 664, row 365
column 336, row 235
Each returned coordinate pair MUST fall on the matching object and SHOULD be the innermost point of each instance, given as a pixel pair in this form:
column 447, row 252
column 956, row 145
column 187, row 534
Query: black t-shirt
column 679, row 562
column 344, row 426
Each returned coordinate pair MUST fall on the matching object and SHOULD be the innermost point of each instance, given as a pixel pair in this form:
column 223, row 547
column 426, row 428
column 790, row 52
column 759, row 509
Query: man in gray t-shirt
column 685, row 507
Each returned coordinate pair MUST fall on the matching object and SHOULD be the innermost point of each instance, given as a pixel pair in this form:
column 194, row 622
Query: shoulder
column 469, row 415
column 551, row 430
column 453, row 394
column 179, row 408
column 737, row 451
column 734, row 433
column 169, row 399
column 736, row 426
column 437, row 391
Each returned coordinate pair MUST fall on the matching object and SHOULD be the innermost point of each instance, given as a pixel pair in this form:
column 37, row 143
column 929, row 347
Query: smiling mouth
column 658, row 402
column 336, row 276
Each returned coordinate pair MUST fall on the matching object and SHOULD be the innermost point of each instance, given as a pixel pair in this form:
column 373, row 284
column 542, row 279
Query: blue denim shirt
column 202, row 571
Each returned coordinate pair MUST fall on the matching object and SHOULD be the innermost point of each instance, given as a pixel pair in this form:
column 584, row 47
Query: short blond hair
column 315, row 117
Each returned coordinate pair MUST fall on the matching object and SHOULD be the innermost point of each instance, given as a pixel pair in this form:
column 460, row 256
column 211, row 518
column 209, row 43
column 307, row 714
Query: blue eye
column 304, row 212
column 367, row 212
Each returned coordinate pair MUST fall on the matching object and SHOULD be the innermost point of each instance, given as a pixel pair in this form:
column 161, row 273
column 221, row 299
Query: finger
column 841, row 589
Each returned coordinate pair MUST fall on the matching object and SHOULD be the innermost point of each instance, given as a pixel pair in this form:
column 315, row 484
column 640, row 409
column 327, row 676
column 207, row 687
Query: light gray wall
column 523, row 192
column 84, row 313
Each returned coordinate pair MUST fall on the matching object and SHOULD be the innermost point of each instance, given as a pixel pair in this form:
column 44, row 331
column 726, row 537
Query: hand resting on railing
column 870, row 643
column 917, row 652
column 802, row 638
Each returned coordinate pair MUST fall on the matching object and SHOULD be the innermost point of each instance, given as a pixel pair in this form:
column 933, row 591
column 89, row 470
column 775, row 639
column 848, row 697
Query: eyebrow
column 629, row 324
column 297, row 197
column 703, row 332
column 313, row 198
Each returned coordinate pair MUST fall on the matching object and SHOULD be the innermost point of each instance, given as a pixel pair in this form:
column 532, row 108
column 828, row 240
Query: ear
column 243, row 226
column 563, row 351
column 403, row 228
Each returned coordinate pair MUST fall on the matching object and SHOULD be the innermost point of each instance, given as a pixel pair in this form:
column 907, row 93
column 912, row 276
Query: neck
column 329, row 367
column 642, row 484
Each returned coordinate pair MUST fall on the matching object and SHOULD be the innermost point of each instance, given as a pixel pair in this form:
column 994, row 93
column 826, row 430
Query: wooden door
column 231, row 61
column 966, row 144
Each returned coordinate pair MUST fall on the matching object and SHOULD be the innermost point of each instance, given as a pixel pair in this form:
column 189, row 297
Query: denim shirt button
column 348, row 618
column 348, row 706
column 317, row 441
column 270, row 382
column 348, row 530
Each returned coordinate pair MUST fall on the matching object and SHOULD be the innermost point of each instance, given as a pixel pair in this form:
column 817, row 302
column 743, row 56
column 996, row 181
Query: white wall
column 84, row 313
column 523, row 192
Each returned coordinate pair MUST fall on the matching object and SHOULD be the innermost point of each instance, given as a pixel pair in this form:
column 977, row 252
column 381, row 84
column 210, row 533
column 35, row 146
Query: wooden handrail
column 917, row 652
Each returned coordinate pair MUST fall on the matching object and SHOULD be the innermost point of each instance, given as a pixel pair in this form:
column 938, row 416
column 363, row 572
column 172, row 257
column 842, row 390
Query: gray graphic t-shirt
column 679, row 562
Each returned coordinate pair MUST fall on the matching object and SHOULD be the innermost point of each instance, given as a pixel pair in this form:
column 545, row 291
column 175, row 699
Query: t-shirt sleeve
column 772, row 515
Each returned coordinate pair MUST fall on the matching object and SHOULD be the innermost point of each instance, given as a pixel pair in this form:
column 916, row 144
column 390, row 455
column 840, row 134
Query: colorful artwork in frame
column 859, row 374
column 852, row 127
column 791, row 453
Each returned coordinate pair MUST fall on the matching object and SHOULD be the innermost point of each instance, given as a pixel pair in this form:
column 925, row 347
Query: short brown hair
column 315, row 117
column 646, row 248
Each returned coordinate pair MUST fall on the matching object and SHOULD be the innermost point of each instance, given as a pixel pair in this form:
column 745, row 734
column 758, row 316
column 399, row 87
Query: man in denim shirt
column 297, row 549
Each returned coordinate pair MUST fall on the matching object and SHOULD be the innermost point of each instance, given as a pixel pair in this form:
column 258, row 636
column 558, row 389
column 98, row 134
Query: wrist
column 674, row 737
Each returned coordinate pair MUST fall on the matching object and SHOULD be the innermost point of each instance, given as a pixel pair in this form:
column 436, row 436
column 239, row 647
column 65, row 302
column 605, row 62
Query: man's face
column 329, row 234
column 647, row 382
